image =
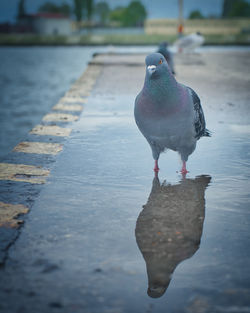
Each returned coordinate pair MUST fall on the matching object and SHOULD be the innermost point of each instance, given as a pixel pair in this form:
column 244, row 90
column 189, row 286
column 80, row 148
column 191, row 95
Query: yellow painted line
column 23, row 173
column 83, row 86
column 60, row 117
column 9, row 213
column 68, row 107
column 50, row 130
column 83, row 82
column 81, row 93
column 72, row 99
column 38, row 147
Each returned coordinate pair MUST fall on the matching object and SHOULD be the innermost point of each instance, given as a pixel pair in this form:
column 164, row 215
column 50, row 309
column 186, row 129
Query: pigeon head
column 156, row 65
column 163, row 44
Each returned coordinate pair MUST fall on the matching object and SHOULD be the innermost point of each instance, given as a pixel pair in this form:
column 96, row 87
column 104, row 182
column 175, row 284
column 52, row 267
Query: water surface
column 32, row 80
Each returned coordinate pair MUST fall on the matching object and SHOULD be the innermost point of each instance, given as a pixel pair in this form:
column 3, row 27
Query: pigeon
column 163, row 49
column 167, row 113
column 189, row 42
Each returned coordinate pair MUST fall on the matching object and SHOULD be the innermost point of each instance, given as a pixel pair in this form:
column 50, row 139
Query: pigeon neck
column 162, row 88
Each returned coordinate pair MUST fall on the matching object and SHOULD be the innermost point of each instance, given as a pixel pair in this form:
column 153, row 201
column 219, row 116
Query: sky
column 155, row 8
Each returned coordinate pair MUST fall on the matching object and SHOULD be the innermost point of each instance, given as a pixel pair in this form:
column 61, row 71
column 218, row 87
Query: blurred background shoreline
column 113, row 39
column 125, row 22
column 215, row 32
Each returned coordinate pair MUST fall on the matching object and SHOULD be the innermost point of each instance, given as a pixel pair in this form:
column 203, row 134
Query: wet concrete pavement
column 104, row 235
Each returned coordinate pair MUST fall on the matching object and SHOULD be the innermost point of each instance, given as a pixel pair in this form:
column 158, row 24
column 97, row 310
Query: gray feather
column 199, row 121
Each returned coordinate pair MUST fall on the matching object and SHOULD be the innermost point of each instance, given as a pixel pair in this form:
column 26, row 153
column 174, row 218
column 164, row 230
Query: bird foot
column 184, row 170
column 184, row 174
column 156, row 168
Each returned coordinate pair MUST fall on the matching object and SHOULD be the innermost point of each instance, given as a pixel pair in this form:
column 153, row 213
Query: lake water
column 32, row 80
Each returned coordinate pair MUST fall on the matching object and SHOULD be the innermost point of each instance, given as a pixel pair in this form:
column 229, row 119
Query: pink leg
column 156, row 169
column 184, row 170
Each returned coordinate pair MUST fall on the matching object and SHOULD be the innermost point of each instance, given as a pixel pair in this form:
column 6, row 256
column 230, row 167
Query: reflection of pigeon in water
column 190, row 42
column 169, row 228
column 168, row 113
column 163, row 49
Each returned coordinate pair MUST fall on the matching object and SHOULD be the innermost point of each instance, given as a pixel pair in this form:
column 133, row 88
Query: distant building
column 41, row 23
column 5, row 28
column 51, row 24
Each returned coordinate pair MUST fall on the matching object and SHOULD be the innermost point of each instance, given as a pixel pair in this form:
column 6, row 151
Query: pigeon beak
column 151, row 69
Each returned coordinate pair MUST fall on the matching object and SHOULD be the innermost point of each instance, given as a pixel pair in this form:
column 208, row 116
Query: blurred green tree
column 236, row 8
column 21, row 8
column 78, row 9
column 196, row 14
column 135, row 14
column 117, row 15
column 64, row 8
column 89, row 5
column 102, row 10
column 83, row 8
column 227, row 5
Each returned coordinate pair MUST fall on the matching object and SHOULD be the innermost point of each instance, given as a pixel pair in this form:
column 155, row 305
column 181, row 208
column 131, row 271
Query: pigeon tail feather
column 207, row 133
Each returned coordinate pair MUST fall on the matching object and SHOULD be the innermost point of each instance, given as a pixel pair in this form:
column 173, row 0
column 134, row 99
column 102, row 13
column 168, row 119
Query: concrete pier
column 85, row 226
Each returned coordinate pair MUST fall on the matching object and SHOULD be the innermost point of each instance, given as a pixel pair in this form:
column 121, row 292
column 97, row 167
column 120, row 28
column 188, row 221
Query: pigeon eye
column 160, row 62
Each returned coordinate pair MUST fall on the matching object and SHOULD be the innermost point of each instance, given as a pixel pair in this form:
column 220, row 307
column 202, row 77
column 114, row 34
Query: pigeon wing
column 199, row 119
